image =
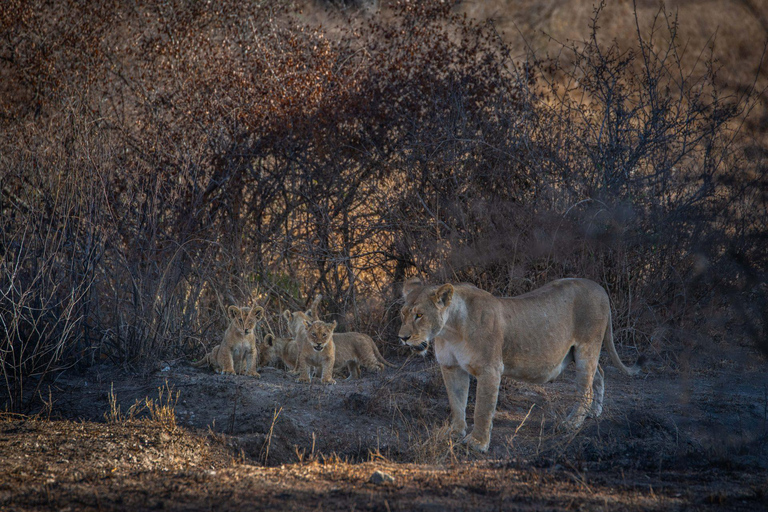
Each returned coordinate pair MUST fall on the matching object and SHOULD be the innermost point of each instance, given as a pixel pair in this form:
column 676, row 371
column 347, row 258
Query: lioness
column 531, row 337
column 237, row 353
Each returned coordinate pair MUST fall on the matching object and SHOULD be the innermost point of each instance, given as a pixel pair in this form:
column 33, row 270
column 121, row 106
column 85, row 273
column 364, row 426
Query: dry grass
column 57, row 464
column 158, row 411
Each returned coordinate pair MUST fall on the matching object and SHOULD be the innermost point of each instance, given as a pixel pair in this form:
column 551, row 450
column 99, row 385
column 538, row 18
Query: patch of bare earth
column 668, row 440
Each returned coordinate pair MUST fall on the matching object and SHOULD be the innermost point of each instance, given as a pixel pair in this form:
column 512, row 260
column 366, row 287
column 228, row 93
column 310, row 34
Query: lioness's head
column 423, row 314
column 319, row 334
column 243, row 320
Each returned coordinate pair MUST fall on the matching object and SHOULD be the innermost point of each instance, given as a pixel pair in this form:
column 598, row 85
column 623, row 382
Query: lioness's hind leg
column 586, row 368
column 598, row 389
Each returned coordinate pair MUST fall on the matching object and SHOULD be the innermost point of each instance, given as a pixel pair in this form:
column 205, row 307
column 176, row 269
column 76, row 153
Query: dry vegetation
column 162, row 160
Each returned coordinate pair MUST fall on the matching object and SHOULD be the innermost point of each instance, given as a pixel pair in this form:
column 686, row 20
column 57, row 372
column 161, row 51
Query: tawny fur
column 317, row 350
column 278, row 349
column 352, row 349
column 531, row 338
column 355, row 349
column 237, row 354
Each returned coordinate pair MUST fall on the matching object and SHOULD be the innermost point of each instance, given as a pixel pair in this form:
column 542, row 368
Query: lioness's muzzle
column 421, row 347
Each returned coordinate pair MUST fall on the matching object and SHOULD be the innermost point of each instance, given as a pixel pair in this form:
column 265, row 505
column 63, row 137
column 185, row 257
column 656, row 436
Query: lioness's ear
column 442, row 296
column 269, row 339
column 287, row 315
column 411, row 284
column 257, row 312
column 233, row 312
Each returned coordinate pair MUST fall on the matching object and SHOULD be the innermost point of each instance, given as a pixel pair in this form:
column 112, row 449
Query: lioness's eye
column 418, row 315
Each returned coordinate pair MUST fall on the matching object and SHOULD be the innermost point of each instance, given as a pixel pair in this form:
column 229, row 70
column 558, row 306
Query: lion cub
column 355, row 349
column 288, row 349
column 351, row 350
column 237, row 353
column 280, row 349
column 317, row 350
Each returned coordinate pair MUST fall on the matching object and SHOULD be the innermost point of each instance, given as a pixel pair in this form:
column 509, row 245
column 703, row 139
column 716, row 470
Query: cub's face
column 319, row 334
column 243, row 320
column 423, row 314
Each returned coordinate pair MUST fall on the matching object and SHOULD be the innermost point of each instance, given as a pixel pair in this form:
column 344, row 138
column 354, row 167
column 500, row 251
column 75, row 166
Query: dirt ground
column 669, row 439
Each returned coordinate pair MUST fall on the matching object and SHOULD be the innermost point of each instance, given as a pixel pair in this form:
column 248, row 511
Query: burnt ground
column 669, row 439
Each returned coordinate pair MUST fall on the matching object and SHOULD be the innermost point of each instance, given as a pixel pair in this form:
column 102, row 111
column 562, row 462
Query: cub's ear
column 287, row 315
column 233, row 312
column 307, row 323
column 442, row 296
column 269, row 339
column 313, row 309
column 332, row 325
column 411, row 284
column 257, row 312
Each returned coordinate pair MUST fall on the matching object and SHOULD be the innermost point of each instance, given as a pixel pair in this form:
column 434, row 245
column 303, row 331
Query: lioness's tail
column 379, row 357
column 608, row 344
column 205, row 361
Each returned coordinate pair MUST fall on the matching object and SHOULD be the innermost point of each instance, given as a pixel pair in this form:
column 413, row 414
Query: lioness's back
column 577, row 284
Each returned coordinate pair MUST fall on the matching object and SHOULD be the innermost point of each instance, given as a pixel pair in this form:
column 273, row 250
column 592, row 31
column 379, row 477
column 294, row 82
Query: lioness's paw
column 459, row 432
column 574, row 421
column 330, row 382
column 255, row 374
column 478, row 446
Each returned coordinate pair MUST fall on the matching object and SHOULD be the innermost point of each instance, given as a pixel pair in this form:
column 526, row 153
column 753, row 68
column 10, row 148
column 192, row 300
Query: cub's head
column 243, row 320
column 319, row 334
column 423, row 314
column 296, row 321
column 267, row 350
column 273, row 343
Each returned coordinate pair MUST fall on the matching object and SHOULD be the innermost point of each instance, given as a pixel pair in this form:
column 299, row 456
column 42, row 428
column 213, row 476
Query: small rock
column 379, row 478
column 166, row 369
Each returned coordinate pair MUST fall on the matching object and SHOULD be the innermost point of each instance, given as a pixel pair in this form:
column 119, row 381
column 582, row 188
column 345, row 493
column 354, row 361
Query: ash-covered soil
column 666, row 440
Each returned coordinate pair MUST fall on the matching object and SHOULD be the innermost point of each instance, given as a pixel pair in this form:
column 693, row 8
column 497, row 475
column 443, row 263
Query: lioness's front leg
column 457, row 385
column 485, row 406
